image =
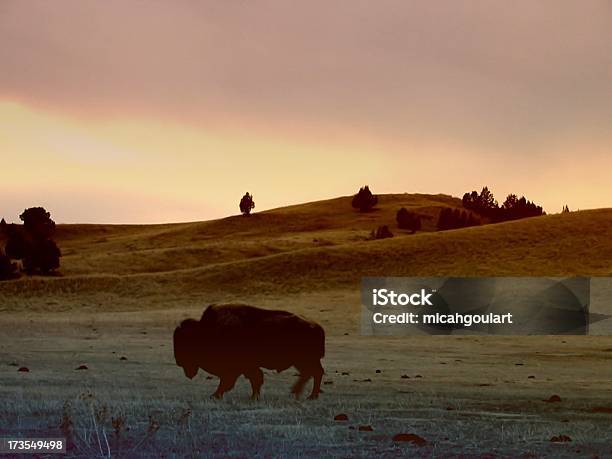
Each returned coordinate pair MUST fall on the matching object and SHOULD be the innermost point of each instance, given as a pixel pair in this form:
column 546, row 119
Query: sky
column 124, row 111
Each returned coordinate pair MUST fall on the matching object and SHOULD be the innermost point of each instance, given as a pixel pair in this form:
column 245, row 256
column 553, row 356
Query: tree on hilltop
column 247, row 204
column 364, row 200
column 32, row 243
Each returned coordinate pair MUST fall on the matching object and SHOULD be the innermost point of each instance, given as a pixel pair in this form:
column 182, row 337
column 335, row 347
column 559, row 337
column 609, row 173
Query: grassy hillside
column 316, row 246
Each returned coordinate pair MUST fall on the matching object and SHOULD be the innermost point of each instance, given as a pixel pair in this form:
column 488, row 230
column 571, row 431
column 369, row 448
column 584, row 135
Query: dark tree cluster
column 408, row 220
column 32, row 242
column 247, row 204
column 455, row 218
column 364, row 200
column 513, row 207
column 566, row 209
column 8, row 269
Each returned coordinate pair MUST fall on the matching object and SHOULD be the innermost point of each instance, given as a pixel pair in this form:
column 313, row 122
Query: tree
column 32, row 243
column 566, row 209
column 19, row 243
column 455, row 218
column 37, row 222
column 44, row 258
column 7, row 269
column 515, row 208
column 247, row 204
column 486, row 200
column 408, row 220
column 364, row 200
column 444, row 219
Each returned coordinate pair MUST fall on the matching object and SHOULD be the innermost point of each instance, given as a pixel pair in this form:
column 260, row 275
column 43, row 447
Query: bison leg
column 257, row 379
column 298, row 387
column 316, row 386
column 226, row 383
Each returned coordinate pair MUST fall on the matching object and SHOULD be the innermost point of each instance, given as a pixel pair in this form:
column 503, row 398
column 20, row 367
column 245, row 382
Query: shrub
column 408, row 220
column 364, row 200
column 382, row 232
column 247, row 204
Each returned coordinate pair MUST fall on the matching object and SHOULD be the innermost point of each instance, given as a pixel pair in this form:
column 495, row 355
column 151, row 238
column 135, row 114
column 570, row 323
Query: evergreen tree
column 364, row 200
column 247, row 204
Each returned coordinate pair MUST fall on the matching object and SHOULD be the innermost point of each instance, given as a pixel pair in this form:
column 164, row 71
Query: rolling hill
column 319, row 246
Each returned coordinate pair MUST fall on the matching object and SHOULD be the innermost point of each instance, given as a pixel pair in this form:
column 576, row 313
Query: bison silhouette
column 236, row 339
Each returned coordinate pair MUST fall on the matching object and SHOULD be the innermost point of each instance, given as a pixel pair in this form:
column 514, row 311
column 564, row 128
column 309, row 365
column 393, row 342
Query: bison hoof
column 216, row 396
column 313, row 396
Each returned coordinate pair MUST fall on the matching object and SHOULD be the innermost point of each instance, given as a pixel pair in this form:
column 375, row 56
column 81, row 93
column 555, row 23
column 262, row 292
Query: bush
column 364, row 200
column 247, row 204
column 408, row 220
column 382, row 232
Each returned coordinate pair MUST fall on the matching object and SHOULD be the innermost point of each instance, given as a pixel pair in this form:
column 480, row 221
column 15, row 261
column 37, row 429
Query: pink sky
column 132, row 111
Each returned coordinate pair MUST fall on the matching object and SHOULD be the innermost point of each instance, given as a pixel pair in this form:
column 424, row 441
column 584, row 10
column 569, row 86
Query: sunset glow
column 119, row 112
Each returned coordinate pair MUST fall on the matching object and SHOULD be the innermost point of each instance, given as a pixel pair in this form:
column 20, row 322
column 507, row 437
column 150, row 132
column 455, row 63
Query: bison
column 236, row 339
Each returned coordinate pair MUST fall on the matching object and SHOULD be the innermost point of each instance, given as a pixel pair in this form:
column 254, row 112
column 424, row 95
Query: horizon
column 256, row 211
column 177, row 110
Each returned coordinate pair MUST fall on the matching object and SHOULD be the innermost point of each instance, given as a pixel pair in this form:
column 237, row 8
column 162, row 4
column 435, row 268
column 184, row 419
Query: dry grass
column 294, row 249
column 472, row 398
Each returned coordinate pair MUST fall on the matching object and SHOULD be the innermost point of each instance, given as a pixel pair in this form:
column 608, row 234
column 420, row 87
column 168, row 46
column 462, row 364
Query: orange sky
column 128, row 111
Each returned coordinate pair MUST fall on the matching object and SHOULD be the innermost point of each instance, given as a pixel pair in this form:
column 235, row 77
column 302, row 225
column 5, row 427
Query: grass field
column 123, row 289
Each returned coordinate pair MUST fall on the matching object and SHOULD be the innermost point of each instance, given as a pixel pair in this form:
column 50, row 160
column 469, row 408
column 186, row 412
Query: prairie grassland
column 124, row 288
column 466, row 396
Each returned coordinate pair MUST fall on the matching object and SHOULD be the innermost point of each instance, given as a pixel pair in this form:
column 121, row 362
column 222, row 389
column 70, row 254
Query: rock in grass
column 82, row 367
column 560, row 438
column 409, row 437
column 405, row 377
column 24, row 369
column 553, row 399
column 366, row 428
column 341, row 417
column 123, row 357
column 602, row 409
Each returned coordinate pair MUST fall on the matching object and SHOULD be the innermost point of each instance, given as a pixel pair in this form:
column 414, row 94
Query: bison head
column 185, row 347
